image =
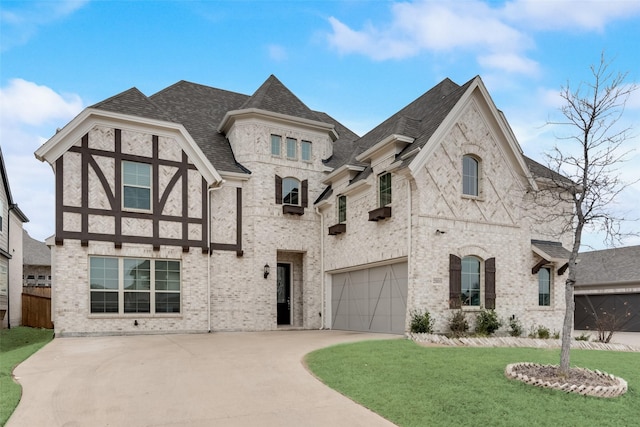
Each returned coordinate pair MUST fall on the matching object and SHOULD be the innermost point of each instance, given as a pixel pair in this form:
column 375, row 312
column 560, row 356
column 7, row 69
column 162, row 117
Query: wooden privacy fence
column 36, row 307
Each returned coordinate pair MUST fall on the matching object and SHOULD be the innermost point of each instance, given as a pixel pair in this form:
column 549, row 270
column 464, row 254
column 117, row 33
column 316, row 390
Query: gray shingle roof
column 609, row 266
column 134, row 103
column 540, row 171
column 553, row 250
column 34, row 252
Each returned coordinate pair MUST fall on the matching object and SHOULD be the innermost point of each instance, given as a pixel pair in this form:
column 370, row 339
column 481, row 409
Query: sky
column 359, row 61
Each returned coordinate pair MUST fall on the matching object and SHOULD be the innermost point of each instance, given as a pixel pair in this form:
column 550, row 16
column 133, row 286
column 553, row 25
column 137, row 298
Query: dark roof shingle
column 609, row 266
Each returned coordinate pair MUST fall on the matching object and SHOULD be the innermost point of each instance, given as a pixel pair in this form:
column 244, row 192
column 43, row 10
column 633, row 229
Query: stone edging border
column 618, row 389
column 515, row 342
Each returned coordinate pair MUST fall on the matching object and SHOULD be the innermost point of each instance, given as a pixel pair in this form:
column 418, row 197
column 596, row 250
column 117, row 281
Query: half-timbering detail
column 237, row 247
column 100, row 208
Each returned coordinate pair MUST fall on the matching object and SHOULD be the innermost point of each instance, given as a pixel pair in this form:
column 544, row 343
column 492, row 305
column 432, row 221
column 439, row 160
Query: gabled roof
column 609, row 266
column 540, row 171
column 7, row 189
column 199, row 109
column 275, row 97
column 134, row 103
column 34, row 252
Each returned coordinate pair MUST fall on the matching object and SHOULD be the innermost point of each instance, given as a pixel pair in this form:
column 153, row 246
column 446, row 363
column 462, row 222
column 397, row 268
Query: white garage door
column 372, row 299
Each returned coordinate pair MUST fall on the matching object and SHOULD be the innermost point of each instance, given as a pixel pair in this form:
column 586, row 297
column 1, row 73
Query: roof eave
column 399, row 140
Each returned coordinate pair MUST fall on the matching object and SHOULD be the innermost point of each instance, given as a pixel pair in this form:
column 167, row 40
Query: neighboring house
column 36, row 262
column 11, row 220
column 608, row 281
column 199, row 209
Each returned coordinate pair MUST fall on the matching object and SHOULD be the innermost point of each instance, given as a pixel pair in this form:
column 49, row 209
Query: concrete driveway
column 218, row 379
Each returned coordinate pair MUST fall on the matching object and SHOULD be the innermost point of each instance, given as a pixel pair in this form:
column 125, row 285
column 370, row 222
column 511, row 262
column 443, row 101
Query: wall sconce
column 267, row 270
column 440, row 232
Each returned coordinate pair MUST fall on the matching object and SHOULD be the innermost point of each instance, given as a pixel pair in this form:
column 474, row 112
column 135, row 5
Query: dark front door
column 284, row 294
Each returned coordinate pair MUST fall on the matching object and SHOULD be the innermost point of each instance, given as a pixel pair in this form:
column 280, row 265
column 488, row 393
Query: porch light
column 267, row 270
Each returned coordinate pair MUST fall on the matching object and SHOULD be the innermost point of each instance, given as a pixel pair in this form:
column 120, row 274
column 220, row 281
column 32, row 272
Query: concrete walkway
column 221, row 379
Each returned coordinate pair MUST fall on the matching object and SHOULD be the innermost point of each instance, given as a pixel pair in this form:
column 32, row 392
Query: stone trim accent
column 618, row 389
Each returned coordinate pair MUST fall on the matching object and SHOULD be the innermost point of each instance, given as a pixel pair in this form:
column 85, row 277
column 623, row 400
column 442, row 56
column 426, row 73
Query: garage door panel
column 626, row 307
column 372, row 299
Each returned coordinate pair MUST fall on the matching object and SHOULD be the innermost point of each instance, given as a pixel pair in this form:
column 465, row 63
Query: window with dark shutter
column 278, row 190
column 305, row 193
column 455, row 281
column 490, row 283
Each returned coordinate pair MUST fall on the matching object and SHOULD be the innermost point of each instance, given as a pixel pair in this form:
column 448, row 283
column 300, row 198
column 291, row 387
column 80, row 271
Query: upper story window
column 292, row 148
column 470, row 175
column 342, row 209
column 470, row 281
column 291, row 191
column 136, row 185
column 1, row 214
column 305, row 151
column 276, row 144
column 544, row 286
column 384, row 189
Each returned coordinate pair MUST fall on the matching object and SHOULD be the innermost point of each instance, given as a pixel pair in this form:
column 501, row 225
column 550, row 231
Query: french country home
column 198, row 209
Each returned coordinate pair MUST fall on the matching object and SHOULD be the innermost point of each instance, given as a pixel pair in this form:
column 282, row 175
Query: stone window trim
column 471, row 176
column 160, row 293
column 487, row 292
column 296, row 208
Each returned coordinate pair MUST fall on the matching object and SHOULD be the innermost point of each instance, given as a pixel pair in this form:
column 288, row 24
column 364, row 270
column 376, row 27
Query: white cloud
column 500, row 36
column 22, row 22
column 28, row 103
column 29, row 114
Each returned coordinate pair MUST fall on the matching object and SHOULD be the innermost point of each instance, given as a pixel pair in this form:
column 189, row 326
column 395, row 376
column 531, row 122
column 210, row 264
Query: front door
column 284, row 294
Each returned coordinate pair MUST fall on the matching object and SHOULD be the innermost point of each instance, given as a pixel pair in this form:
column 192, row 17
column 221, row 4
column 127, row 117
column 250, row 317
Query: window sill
column 380, row 213
column 292, row 210
column 470, row 197
column 134, row 316
column 337, row 229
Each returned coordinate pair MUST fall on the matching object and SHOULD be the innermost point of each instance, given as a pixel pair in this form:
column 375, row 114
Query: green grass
column 16, row 345
column 412, row 385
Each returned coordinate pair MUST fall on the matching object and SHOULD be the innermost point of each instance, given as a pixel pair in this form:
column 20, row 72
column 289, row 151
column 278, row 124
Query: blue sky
column 359, row 61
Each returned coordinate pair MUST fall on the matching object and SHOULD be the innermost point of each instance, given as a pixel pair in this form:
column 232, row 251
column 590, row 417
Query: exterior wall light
column 440, row 231
column 267, row 270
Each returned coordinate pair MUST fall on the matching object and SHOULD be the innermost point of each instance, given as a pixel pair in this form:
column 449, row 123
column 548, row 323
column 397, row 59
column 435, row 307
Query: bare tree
column 586, row 159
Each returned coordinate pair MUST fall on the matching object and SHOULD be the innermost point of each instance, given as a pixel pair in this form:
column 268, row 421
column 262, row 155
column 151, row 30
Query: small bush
column 556, row 335
column 458, row 324
column 539, row 331
column 515, row 327
column 583, row 337
column 421, row 322
column 487, row 322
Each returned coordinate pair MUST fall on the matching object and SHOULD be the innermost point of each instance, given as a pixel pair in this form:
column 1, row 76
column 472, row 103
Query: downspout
column 322, row 280
column 9, row 268
column 209, row 191
column 409, row 257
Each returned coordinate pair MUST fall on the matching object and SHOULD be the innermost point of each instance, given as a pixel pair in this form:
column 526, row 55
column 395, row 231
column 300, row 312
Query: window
column 544, row 286
column 292, row 148
column 1, row 213
column 470, row 176
column 276, row 143
column 384, row 189
column 470, row 281
column 130, row 285
column 291, row 191
column 4, row 280
column 136, row 183
column 305, row 151
column 342, row 209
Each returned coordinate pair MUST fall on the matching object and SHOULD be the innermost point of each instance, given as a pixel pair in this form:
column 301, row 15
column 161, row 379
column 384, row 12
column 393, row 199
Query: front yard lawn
column 16, row 345
column 412, row 385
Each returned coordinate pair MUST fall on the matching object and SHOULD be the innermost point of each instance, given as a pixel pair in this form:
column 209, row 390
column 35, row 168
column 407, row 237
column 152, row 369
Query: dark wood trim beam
column 337, row 229
column 380, row 213
column 538, row 266
column 562, row 269
column 292, row 210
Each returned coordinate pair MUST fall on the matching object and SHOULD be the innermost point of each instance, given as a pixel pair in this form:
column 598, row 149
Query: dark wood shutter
column 490, row 283
column 455, row 281
column 305, row 193
column 278, row 190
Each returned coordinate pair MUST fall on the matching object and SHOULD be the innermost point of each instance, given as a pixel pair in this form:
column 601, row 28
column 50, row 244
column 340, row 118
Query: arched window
column 470, row 281
column 544, row 286
column 291, row 191
column 470, row 175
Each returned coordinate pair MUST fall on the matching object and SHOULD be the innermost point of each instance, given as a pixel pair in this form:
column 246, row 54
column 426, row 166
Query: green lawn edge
column 16, row 346
column 413, row 385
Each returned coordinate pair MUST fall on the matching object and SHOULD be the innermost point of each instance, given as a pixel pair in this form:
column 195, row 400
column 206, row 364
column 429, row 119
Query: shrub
column 583, row 337
column 543, row 332
column 421, row 322
column 458, row 324
column 515, row 327
column 487, row 322
column 556, row 335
